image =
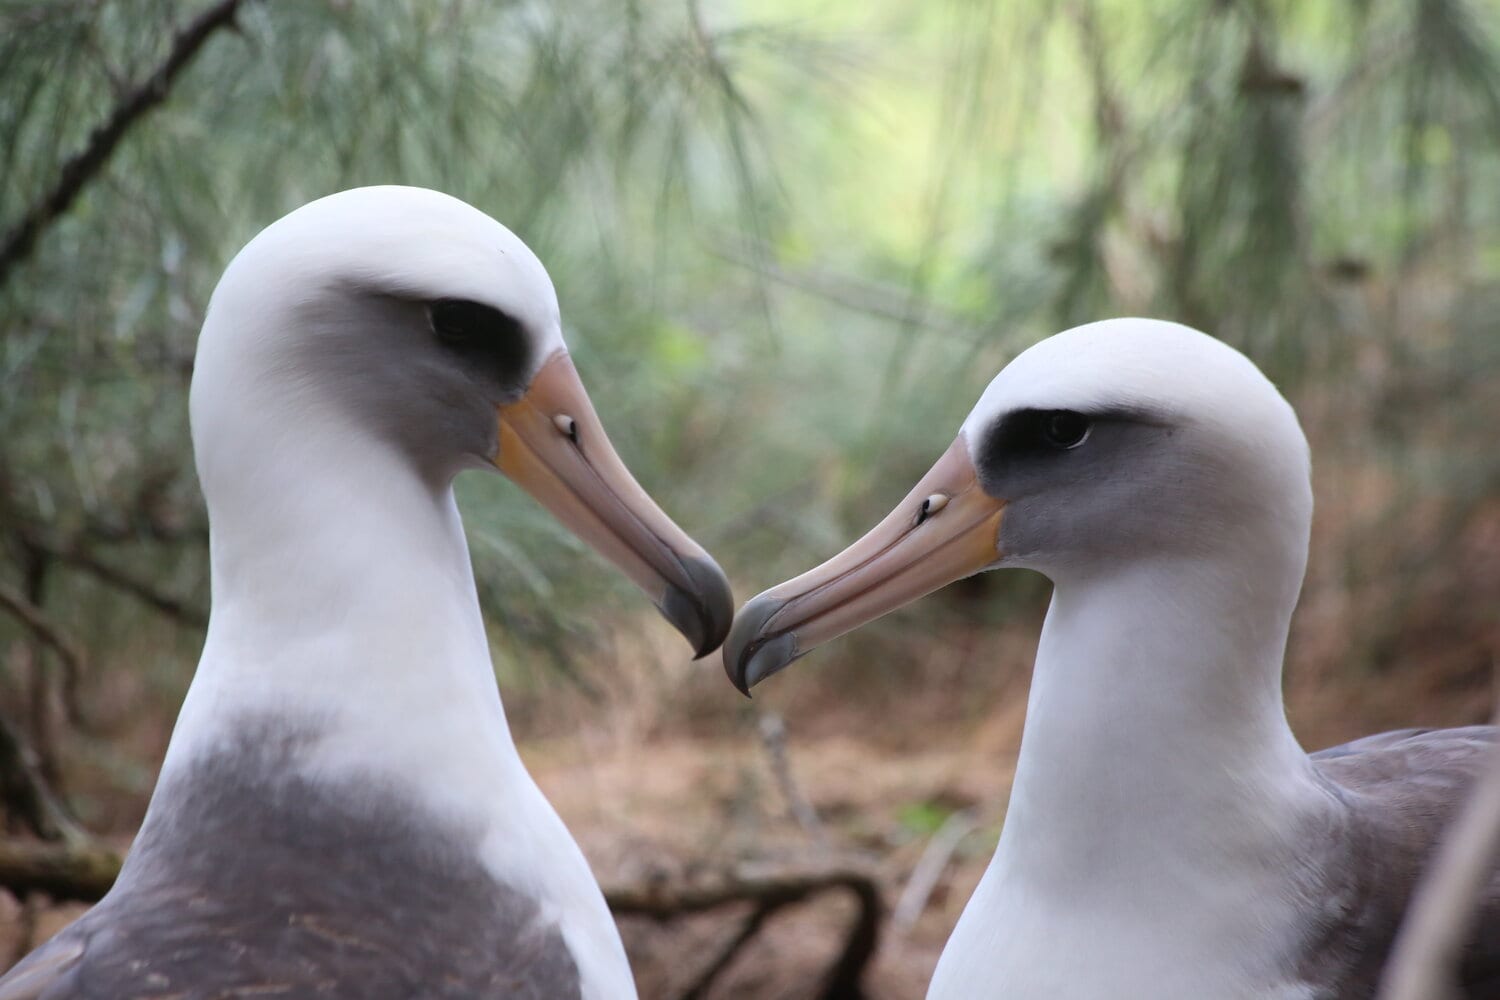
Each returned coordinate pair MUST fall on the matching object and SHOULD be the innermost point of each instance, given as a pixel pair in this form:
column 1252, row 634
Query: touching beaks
column 947, row 528
column 552, row 444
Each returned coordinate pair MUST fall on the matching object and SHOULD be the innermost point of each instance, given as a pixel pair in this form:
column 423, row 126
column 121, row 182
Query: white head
column 327, row 319
column 1098, row 449
column 400, row 335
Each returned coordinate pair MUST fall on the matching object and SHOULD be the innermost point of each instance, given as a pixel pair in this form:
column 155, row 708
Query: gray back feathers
column 1397, row 793
column 256, row 881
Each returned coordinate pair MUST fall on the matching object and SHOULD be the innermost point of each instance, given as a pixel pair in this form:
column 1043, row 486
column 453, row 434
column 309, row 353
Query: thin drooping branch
column 1424, row 962
column 27, row 792
column 86, row 164
column 860, row 294
column 40, row 683
column 41, row 625
column 26, row 605
column 140, row 589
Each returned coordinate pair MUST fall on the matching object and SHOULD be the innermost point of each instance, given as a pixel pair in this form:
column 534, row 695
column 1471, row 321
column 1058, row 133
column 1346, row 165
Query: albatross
column 1166, row 835
column 342, row 811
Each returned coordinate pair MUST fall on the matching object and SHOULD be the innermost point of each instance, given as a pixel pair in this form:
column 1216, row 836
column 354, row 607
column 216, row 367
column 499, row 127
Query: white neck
column 1157, row 779
column 1153, row 713
column 344, row 599
column 343, row 595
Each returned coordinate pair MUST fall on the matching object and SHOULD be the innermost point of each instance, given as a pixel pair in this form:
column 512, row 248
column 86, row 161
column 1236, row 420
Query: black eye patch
column 485, row 337
column 1026, row 449
column 1037, row 432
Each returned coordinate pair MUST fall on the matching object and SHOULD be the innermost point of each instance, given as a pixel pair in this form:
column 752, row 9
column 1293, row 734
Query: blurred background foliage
column 793, row 240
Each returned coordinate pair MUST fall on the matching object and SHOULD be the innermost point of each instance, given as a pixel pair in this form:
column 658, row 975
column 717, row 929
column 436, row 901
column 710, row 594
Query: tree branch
column 742, row 937
column 78, row 171
column 39, row 624
column 857, row 294
column 27, row 792
column 665, row 901
column 929, row 868
column 63, row 872
column 768, row 894
column 168, row 605
column 772, row 729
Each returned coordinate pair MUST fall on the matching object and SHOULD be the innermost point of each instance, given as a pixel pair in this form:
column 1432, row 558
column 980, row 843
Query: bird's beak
column 552, row 443
column 947, row 528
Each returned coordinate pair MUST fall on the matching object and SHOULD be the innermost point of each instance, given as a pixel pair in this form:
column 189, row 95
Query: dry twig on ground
column 766, row 894
column 929, row 868
column 772, row 728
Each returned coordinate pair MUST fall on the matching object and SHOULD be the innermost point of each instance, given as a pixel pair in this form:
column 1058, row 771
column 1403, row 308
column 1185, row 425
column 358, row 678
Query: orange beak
column 552, row 443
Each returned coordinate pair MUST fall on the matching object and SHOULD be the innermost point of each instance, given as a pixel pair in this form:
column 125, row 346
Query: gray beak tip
column 704, row 613
column 750, row 655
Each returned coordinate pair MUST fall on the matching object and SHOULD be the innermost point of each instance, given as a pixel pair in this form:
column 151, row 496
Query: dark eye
column 487, row 337
column 461, row 323
column 1064, row 429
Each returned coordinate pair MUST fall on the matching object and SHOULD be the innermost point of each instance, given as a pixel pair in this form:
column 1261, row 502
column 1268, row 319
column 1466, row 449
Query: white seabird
column 342, row 811
column 1166, row 836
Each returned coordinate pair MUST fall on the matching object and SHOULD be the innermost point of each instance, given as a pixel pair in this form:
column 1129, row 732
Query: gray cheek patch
column 1112, row 495
column 262, row 882
column 377, row 362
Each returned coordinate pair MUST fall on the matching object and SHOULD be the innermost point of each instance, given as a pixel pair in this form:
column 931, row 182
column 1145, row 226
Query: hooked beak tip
column 750, row 655
column 704, row 612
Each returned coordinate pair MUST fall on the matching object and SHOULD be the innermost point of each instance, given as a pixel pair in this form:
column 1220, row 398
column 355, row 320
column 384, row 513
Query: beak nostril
column 567, row 425
column 931, row 506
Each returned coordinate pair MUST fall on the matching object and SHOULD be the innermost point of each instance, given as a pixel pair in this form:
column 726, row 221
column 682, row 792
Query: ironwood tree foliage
column 791, row 249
